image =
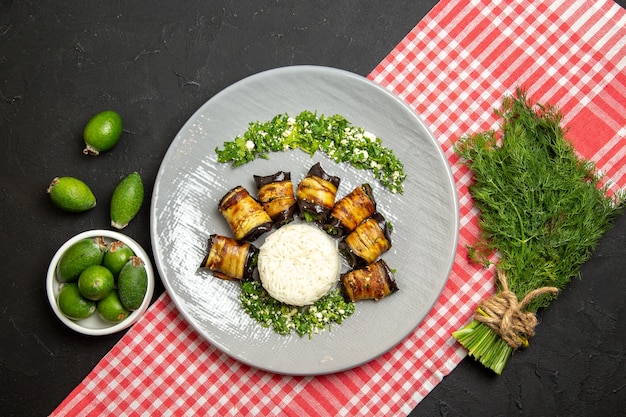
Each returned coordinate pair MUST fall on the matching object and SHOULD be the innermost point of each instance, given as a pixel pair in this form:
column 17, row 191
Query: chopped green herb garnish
column 334, row 136
column 284, row 319
column 309, row 217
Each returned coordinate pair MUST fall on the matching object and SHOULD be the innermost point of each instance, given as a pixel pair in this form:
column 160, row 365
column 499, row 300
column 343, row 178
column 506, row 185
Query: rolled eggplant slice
column 316, row 194
column 372, row 282
column 367, row 242
column 351, row 210
column 244, row 214
column 230, row 259
column 275, row 193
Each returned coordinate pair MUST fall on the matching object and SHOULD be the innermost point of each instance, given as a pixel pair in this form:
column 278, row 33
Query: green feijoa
column 102, row 132
column 116, row 257
column 79, row 256
column 132, row 283
column 73, row 305
column 96, row 282
column 71, row 194
column 126, row 200
column 111, row 308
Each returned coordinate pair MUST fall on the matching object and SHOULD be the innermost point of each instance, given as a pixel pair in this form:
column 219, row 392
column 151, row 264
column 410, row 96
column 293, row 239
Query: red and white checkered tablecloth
column 453, row 68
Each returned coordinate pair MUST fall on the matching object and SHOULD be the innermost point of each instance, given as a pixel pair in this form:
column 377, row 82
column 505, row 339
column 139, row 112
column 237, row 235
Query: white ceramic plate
column 191, row 182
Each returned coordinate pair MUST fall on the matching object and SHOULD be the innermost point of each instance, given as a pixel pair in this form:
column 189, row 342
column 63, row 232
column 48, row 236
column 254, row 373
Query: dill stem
column 484, row 345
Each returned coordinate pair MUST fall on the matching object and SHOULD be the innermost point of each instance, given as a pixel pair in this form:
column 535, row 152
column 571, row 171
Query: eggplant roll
column 275, row 193
column 351, row 210
column 244, row 214
column 373, row 281
column 230, row 259
column 367, row 242
column 316, row 194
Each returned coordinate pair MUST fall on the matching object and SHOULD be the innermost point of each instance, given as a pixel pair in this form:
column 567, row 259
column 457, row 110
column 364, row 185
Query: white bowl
column 95, row 325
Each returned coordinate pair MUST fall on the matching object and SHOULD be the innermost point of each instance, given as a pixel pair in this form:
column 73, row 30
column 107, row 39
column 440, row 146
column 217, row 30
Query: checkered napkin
column 453, row 68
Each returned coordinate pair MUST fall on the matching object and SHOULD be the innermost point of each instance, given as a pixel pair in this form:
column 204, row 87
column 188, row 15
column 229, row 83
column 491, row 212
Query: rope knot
column 505, row 315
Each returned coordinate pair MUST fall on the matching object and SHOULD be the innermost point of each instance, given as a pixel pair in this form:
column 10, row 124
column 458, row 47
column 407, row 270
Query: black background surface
column 156, row 63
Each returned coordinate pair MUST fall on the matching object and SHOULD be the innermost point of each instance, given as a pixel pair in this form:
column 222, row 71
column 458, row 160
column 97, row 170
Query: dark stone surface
column 156, row 63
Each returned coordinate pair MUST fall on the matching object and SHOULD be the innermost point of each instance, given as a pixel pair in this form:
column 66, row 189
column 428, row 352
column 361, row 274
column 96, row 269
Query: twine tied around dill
column 505, row 315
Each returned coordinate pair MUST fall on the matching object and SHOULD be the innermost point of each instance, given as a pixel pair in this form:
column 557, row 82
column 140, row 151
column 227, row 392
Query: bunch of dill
column 542, row 209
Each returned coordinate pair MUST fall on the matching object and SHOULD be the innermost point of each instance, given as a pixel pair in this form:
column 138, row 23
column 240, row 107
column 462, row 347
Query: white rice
column 298, row 264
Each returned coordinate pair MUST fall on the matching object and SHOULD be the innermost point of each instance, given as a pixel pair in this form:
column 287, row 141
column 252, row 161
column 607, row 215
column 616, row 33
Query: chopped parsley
column 284, row 319
column 332, row 135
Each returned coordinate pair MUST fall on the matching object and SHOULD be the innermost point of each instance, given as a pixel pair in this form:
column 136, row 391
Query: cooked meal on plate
column 294, row 279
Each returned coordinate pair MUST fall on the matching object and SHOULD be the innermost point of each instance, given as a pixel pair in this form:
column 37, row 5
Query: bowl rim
column 53, row 285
